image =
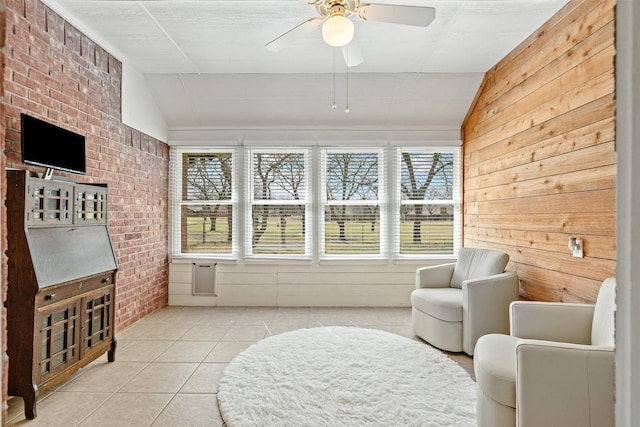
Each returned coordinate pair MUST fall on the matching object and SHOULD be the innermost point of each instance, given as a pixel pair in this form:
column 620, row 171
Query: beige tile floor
column 168, row 365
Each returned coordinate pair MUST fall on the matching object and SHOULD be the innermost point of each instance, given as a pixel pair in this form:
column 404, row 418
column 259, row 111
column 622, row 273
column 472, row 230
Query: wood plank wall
column 539, row 156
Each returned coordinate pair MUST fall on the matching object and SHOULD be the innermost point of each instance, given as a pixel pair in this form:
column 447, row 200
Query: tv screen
column 44, row 144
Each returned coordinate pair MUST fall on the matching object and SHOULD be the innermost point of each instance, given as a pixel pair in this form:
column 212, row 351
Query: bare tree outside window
column 207, row 177
column 426, row 179
column 352, row 193
column 278, row 228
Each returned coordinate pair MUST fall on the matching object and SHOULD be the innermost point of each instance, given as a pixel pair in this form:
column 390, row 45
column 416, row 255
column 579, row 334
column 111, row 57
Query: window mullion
column 315, row 193
column 240, row 212
column 390, row 201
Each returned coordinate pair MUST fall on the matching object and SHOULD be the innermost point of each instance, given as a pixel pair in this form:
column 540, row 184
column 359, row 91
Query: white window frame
column 380, row 202
column 177, row 202
column 455, row 201
column 389, row 194
column 251, row 202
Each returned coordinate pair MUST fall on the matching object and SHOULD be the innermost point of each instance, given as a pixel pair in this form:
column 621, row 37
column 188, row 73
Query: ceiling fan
column 338, row 29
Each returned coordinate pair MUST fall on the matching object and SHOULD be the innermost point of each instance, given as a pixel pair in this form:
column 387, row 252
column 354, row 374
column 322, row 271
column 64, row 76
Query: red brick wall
column 55, row 73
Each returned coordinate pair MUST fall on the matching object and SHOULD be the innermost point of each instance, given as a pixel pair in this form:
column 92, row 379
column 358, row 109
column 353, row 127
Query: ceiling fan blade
column 281, row 42
column 396, row 14
column 352, row 54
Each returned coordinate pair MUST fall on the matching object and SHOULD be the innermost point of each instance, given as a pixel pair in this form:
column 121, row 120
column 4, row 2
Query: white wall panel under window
column 295, row 284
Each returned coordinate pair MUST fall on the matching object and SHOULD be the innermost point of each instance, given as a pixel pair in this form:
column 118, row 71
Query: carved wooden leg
column 30, row 402
column 111, row 354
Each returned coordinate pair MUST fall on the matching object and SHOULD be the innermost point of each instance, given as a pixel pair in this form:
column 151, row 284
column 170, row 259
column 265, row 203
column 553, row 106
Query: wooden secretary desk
column 61, row 287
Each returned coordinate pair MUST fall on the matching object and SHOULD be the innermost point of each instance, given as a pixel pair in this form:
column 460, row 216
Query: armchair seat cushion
column 441, row 303
column 494, row 364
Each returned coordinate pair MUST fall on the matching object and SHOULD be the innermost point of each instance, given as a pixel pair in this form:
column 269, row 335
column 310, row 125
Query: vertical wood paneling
column 539, row 155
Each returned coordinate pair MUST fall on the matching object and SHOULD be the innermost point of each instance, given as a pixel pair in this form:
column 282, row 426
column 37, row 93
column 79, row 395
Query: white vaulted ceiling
column 206, row 66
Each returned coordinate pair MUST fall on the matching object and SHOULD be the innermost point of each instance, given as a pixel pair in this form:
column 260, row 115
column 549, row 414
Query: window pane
column 207, row 176
column 278, row 176
column 426, row 229
column 352, row 176
column 426, row 176
column 278, row 229
column 207, row 229
column 351, row 229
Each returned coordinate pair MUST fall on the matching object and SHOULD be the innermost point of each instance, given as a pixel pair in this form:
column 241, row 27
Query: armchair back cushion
column 476, row 263
column 603, row 325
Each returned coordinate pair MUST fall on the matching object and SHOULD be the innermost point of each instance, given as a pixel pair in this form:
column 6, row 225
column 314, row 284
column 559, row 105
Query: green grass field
column 436, row 237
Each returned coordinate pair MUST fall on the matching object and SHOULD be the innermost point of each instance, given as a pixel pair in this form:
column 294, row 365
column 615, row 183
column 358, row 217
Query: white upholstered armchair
column 555, row 369
column 455, row 304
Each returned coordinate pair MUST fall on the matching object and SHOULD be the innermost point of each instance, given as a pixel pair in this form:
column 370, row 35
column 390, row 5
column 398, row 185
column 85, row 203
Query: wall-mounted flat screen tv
column 45, row 144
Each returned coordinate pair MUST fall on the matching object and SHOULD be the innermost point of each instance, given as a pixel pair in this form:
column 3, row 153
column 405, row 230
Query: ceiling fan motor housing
column 337, row 9
column 330, row 8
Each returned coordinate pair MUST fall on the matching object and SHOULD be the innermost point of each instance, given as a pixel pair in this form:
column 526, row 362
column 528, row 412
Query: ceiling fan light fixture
column 338, row 31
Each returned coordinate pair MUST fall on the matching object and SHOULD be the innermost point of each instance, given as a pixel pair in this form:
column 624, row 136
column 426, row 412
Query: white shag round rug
column 345, row 376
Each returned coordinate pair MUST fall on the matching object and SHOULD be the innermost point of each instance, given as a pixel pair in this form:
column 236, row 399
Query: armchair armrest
column 564, row 384
column 552, row 321
column 436, row 276
column 485, row 306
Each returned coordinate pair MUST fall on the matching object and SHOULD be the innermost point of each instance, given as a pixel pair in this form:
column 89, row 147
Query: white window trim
column 381, row 202
column 250, row 202
column 176, row 202
column 456, row 201
column 389, row 201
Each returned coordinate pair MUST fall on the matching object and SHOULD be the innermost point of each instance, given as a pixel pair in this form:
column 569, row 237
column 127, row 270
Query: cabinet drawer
column 53, row 294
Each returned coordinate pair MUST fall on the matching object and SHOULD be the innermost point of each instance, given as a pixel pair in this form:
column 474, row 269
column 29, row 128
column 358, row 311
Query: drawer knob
column 50, row 296
column 106, row 280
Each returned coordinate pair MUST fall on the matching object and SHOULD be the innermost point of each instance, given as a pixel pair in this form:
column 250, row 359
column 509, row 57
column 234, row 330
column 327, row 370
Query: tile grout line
column 279, row 321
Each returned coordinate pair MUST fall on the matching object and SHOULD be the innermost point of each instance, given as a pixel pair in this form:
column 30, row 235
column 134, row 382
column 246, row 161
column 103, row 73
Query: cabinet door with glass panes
column 98, row 319
column 90, row 205
column 57, row 338
column 49, row 203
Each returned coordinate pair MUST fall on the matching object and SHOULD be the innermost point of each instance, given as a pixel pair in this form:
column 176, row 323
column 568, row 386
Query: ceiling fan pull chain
column 346, row 108
column 333, row 107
